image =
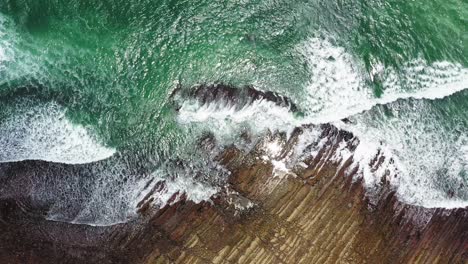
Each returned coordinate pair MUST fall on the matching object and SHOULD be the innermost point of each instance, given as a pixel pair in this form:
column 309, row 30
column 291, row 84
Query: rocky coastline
column 318, row 212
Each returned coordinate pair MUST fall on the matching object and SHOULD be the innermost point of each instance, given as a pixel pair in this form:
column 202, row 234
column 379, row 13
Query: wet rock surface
column 314, row 213
column 237, row 97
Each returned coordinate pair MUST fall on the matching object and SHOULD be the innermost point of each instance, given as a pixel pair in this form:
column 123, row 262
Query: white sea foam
column 4, row 44
column 98, row 194
column 339, row 87
column 193, row 191
column 427, row 157
column 226, row 121
column 2, row 56
column 110, row 193
column 273, row 150
column 43, row 132
column 412, row 153
column 422, row 150
column 93, row 193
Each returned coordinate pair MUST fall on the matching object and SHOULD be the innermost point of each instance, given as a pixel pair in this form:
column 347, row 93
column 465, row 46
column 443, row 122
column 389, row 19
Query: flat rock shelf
column 315, row 213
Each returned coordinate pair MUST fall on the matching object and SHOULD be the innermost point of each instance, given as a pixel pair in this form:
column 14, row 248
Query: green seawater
column 112, row 64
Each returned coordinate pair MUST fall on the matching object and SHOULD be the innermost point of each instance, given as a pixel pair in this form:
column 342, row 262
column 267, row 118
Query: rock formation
column 316, row 211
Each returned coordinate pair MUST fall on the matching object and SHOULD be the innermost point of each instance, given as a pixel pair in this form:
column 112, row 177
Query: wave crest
column 42, row 132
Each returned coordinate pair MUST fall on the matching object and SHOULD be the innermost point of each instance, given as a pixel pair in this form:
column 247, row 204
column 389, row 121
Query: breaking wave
column 429, row 157
column 340, row 86
column 43, row 132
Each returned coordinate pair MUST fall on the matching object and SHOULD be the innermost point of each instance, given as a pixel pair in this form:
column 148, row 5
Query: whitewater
column 337, row 90
column 110, row 120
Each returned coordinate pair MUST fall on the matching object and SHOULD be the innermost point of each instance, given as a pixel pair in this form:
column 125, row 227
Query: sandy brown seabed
column 316, row 214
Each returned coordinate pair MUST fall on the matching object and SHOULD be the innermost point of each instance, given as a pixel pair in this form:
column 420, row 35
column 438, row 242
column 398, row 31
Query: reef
column 317, row 211
column 313, row 215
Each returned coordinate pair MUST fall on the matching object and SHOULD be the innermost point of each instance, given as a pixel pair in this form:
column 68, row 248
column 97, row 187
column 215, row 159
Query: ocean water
column 88, row 83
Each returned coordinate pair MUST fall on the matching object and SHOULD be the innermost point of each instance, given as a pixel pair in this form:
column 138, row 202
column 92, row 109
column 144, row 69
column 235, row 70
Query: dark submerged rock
column 226, row 94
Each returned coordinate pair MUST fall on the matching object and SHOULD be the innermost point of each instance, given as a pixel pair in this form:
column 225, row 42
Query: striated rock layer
column 313, row 213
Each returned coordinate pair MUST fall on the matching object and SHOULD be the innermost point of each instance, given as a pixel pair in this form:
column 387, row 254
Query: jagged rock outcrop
column 238, row 97
column 315, row 210
column 313, row 214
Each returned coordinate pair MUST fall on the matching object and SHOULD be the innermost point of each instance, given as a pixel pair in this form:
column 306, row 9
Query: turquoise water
column 93, row 79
